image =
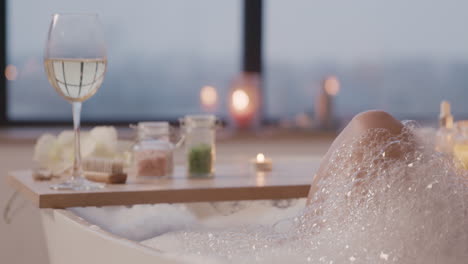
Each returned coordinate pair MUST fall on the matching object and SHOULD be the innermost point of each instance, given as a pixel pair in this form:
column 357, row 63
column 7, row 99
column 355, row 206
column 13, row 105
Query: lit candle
column 260, row 179
column 244, row 101
column 262, row 163
column 240, row 101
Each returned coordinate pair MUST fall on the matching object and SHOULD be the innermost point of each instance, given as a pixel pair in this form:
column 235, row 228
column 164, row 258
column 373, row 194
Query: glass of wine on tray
column 75, row 61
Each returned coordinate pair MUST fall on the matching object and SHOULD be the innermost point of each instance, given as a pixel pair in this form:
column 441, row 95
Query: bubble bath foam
column 372, row 207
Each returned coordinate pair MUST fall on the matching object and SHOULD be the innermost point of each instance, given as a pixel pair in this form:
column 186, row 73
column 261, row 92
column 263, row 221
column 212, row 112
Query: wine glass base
column 77, row 184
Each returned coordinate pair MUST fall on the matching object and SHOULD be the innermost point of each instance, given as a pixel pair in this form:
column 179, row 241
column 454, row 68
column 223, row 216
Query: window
column 160, row 53
column 400, row 56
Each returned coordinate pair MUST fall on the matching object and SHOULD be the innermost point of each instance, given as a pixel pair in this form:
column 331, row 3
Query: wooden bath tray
column 290, row 178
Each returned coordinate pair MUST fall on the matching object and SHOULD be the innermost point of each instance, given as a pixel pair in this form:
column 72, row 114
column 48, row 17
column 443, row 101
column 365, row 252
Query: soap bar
column 105, row 177
column 103, row 165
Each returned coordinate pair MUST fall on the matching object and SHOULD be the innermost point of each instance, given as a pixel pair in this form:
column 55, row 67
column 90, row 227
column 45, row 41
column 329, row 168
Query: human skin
column 358, row 126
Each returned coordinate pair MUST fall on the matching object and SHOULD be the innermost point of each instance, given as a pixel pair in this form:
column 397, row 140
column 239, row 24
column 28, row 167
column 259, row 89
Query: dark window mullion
column 252, row 45
column 252, row 32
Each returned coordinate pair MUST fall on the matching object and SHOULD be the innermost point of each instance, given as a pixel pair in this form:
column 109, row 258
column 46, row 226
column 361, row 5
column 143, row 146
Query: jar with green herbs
column 200, row 134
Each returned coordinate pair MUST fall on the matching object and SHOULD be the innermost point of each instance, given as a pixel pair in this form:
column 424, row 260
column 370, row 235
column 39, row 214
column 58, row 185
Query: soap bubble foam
column 383, row 201
column 138, row 222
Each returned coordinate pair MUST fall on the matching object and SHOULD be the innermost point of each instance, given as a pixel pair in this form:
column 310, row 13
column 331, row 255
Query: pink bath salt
column 151, row 163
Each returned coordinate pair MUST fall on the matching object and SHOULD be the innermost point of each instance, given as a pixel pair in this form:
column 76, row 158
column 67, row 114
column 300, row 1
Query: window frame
column 251, row 61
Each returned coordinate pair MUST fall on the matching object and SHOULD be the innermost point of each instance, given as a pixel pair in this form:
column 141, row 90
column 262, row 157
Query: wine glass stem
column 77, row 173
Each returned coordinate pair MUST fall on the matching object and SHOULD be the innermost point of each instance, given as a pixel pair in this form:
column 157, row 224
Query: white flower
column 44, row 149
column 106, row 140
column 57, row 153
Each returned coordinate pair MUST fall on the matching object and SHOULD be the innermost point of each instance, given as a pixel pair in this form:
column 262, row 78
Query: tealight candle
column 262, row 163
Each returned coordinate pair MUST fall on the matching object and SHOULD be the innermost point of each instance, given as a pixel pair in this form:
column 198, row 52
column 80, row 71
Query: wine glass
column 75, row 61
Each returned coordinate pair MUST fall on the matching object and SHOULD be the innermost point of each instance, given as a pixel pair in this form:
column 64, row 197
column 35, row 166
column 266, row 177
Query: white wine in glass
column 75, row 61
column 76, row 79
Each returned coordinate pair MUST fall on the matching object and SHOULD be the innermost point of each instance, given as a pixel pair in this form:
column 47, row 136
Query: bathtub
column 73, row 239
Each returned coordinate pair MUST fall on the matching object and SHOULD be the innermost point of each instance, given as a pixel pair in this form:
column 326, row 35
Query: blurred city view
column 403, row 57
column 411, row 89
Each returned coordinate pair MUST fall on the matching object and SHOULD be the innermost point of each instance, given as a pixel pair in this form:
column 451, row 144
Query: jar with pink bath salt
column 153, row 152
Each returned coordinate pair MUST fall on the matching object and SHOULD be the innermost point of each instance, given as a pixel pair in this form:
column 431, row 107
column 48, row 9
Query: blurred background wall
column 21, row 241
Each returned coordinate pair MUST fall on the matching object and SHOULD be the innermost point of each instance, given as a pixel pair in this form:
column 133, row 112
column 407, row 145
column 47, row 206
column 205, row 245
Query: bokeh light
column 332, row 85
column 208, row 96
column 11, row 72
column 240, row 100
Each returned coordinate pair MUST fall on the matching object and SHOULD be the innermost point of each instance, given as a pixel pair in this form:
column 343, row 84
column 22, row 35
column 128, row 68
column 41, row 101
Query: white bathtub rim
column 159, row 255
column 89, row 227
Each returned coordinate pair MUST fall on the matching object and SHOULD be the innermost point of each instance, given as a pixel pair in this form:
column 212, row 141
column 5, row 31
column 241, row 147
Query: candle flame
column 260, row 157
column 240, row 100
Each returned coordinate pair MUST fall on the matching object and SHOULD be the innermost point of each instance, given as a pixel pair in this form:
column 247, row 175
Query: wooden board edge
column 22, row 188
column 171, row 196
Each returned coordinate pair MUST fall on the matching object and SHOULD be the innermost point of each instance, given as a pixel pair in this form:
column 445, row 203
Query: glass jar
column 200, row 133
column 153, row 151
